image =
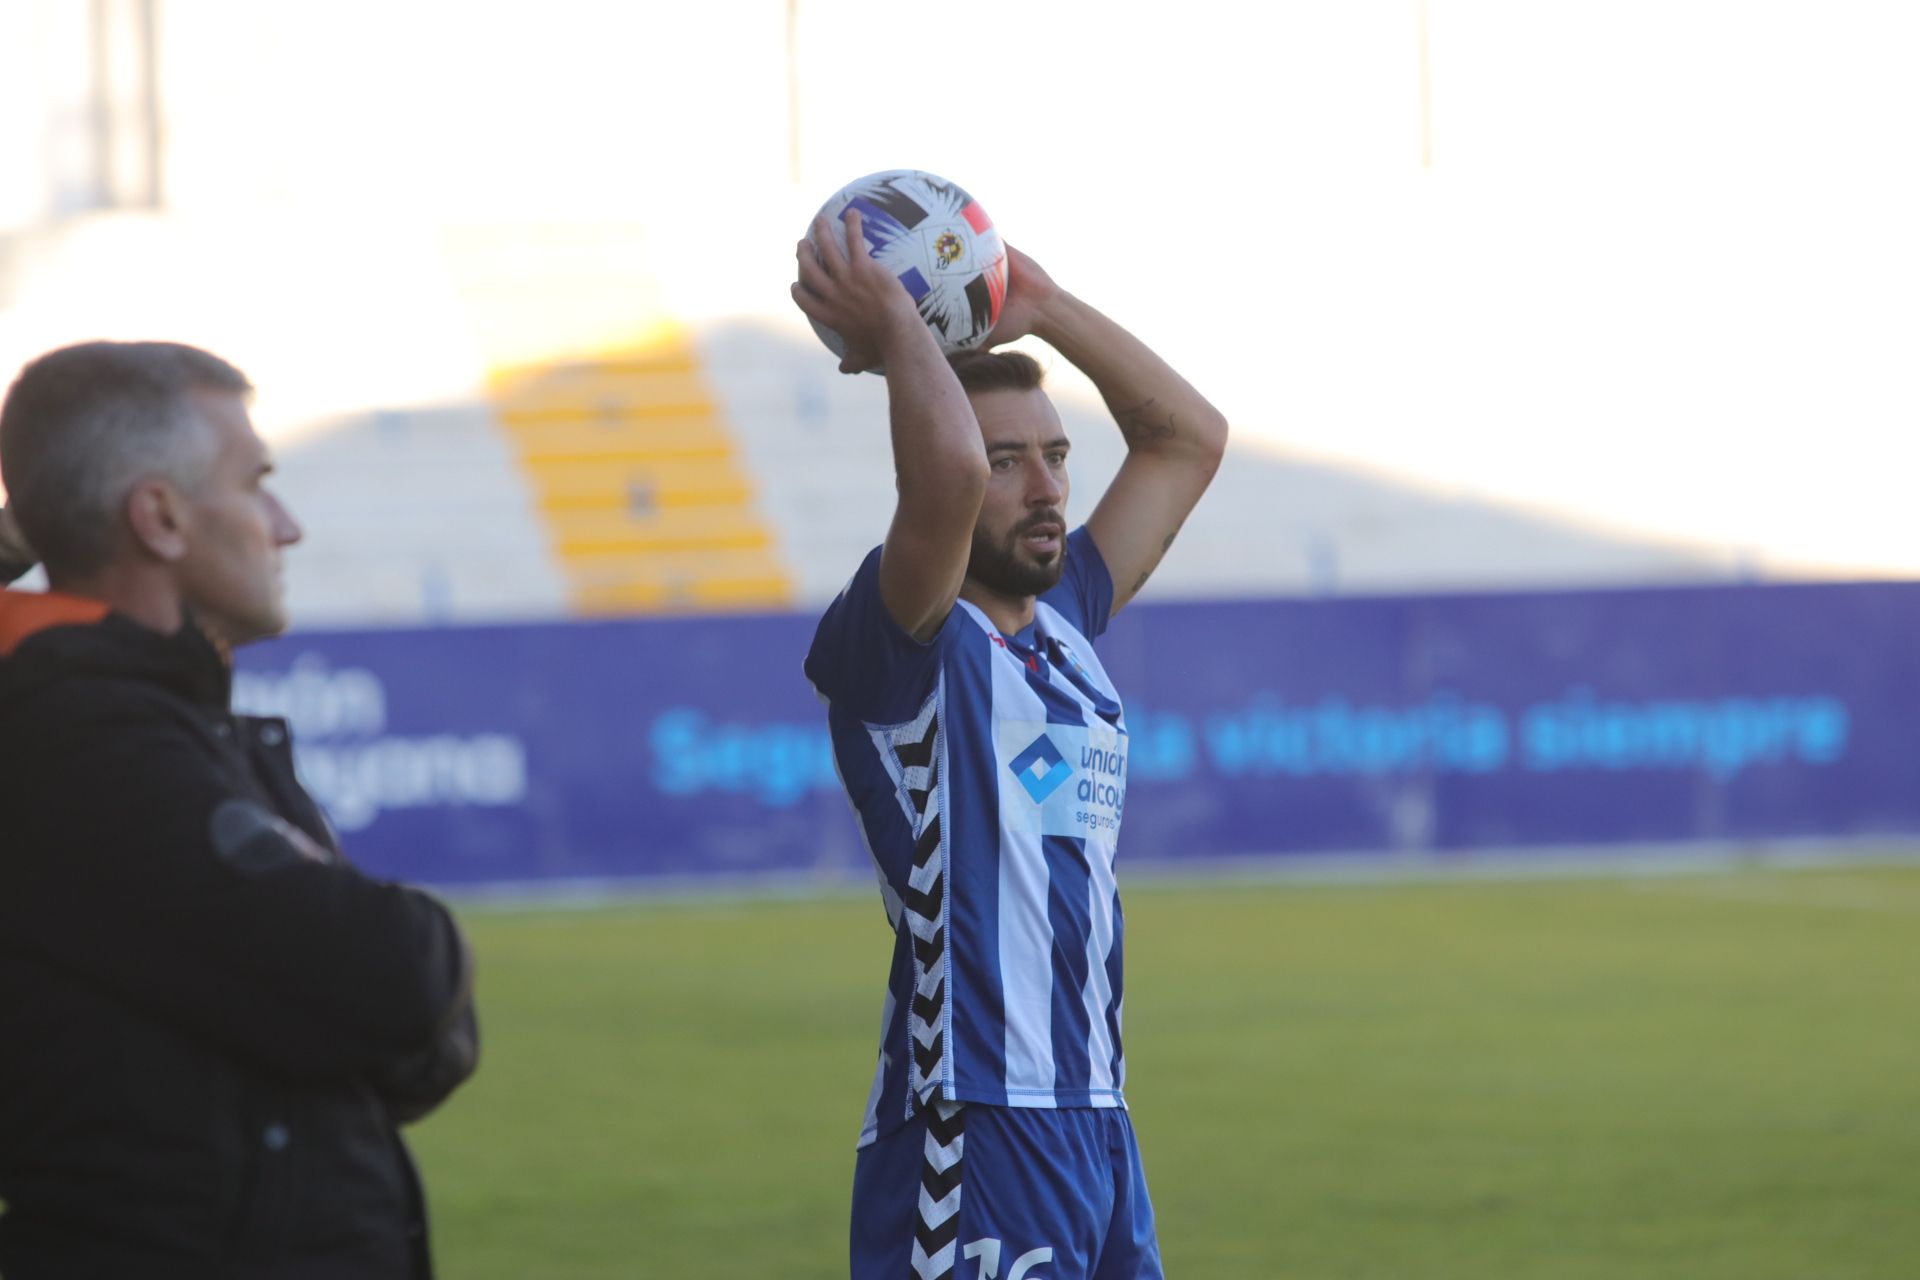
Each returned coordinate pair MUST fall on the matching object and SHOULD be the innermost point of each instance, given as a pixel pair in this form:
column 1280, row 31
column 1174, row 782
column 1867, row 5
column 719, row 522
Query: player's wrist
column 1056, row 316
column 901, row 330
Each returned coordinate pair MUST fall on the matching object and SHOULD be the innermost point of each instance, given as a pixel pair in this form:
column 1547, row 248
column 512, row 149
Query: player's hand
column 842, row 287
column 1030, row 291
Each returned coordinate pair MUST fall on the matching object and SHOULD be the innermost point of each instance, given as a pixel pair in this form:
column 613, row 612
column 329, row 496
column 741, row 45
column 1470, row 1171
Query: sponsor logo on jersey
column 1041, row 768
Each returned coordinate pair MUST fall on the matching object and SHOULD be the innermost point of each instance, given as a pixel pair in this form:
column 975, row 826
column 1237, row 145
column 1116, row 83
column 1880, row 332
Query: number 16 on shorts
column 988, row 1251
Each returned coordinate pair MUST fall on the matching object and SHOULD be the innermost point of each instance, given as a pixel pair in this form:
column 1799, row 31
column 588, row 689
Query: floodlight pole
column 793, row 91
column 1426, row 88
column 125, row 114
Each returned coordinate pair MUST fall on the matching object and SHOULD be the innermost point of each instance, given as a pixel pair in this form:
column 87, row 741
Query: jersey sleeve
column 863, row 662
column 1084, row 594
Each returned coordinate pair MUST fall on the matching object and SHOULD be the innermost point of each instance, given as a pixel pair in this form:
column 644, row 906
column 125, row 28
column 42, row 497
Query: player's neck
column 142, row 591
column 1009, row 614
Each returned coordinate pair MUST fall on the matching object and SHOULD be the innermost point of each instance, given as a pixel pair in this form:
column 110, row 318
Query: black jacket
column 210, row 1024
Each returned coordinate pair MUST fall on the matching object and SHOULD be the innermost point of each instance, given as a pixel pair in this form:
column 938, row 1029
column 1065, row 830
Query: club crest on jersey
column 1041, row 768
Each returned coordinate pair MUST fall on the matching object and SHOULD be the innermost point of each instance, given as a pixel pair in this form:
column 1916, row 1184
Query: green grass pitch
column 1688, row 1077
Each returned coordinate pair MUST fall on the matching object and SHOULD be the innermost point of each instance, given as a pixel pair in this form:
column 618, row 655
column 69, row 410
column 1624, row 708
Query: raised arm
column 1175, row 438
column 939, row 461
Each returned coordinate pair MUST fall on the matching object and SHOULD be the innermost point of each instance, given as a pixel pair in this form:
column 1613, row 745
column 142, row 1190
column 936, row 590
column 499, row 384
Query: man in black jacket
column 211, row 1026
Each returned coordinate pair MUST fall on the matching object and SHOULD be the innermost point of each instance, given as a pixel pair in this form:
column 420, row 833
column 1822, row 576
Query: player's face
column 235, row 527
column 1020, row 541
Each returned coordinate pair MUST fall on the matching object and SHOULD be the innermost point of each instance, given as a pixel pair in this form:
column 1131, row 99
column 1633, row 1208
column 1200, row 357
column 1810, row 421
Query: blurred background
column 1569, row 352
column 1556, row 346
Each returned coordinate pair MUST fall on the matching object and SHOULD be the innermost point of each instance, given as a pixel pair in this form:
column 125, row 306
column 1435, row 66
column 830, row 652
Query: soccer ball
column 941, row 245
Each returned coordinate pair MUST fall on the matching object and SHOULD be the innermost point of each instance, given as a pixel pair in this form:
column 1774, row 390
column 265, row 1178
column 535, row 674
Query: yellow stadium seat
column 637, row 478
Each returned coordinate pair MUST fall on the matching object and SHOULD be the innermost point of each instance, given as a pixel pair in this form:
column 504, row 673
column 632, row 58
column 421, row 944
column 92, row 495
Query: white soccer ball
column 941, row 245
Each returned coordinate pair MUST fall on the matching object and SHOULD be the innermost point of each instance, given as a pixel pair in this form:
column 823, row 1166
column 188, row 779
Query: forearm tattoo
column 1145, row 422
column 1164, row 548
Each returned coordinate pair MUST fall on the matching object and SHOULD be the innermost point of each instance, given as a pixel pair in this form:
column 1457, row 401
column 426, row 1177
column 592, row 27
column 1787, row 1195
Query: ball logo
column 948, row 252
column 1041, row 768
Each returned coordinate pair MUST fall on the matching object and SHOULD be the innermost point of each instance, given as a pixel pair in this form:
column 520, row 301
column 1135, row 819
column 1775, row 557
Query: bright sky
column 1661, row 272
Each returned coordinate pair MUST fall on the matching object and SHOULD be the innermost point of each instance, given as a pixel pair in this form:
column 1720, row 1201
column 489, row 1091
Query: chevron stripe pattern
column 936, row 1227
column 923, row 901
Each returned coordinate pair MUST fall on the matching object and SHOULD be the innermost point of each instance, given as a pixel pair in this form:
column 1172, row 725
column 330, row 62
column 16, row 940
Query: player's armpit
column 920, row 578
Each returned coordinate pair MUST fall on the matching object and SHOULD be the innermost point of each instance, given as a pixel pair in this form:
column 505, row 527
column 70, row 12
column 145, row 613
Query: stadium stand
column 814, row 441
column 609, row 466
column 417, row 515
column 636, row 477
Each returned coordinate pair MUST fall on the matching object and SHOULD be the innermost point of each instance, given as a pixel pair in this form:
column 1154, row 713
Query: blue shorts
column 1004, row 1193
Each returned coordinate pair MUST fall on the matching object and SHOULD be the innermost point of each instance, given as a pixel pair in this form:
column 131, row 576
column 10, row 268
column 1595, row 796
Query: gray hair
column 83, row 424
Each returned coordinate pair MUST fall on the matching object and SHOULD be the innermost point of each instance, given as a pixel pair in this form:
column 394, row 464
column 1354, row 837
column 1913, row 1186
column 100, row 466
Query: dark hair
column 997, row 371
column 82, row 424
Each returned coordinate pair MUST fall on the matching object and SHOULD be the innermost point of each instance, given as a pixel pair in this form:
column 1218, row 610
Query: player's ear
column 156, row 515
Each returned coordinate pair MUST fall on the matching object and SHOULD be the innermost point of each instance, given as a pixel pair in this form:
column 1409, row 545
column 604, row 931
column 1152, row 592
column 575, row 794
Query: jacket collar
column 27, row 613
column 49, row 636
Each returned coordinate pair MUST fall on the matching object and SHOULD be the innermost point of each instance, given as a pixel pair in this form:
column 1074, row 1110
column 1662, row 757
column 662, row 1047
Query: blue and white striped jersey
column 988, row 772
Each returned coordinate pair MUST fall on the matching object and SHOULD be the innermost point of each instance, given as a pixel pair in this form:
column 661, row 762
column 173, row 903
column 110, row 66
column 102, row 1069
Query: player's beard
column 999, row 565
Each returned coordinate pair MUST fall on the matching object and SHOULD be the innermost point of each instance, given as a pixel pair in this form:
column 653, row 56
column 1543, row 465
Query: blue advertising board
column 653, row 748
